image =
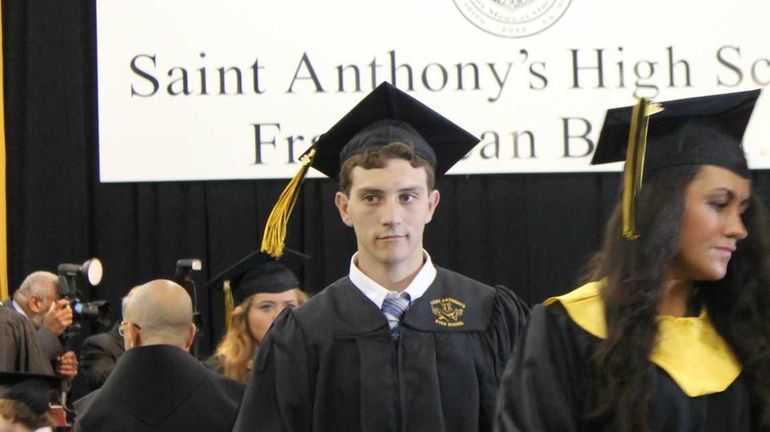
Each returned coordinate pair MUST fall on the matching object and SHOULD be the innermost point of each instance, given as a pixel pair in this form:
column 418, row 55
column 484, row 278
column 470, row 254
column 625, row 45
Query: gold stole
column 689, row 349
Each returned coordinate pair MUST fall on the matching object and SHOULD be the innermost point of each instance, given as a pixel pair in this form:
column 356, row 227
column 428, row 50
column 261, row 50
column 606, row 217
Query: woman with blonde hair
column 262, row 288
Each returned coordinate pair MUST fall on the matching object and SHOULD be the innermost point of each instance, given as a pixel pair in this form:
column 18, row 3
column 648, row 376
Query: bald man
column 157, row 385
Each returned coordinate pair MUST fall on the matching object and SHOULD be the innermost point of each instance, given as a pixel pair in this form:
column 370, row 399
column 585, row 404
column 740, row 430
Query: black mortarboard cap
column 33, row 390
column 258, row 272
column 388, row 115
column 385, row 115
column 701, row 130
column 706, row 130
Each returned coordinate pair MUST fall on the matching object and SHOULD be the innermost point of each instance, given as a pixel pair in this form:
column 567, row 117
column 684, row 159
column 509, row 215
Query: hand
column 67, row 365
column 58, row 317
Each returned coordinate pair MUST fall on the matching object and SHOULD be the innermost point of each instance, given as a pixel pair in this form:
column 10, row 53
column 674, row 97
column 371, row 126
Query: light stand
column 183, row 276
column 91, row 271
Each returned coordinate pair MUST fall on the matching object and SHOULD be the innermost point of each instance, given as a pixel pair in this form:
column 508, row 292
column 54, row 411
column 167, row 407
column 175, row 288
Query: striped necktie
column 393, row 307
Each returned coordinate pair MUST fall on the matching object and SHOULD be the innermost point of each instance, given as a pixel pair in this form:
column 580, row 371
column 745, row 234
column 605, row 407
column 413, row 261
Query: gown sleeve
column 541, row 387
column 278, row 395
column 509, row 319
column 50, row 344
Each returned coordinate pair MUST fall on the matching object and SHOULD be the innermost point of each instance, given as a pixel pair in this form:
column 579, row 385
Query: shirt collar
column 376, row 292
column 18, row 308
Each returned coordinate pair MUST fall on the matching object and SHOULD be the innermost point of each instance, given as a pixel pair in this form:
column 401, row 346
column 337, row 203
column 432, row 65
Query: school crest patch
column 448, row 312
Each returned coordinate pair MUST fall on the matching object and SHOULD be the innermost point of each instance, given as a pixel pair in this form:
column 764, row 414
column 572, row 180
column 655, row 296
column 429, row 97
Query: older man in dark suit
column 19, row 349
column 38, row 300
column 99, row 355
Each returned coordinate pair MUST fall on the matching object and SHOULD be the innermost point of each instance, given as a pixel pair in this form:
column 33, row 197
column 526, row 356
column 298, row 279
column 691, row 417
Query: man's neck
column 393, row 278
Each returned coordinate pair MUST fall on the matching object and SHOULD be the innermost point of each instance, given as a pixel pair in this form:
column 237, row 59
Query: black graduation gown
column 215, row 363
column 160, row 388
column 549, row 386
column 332, row 365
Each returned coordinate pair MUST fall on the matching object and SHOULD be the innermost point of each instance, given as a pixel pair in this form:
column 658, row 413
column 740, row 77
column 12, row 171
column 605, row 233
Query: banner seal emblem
column 512, row 18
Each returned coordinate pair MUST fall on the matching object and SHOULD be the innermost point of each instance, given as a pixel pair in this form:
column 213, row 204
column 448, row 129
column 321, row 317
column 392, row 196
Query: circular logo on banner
column 512, row 18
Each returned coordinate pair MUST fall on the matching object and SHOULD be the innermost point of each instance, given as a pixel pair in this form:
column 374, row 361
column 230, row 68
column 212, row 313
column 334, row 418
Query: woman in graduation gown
column 672, row 333
column 262, row 288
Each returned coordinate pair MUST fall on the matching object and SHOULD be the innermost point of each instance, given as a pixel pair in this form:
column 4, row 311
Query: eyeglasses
column 123, row 324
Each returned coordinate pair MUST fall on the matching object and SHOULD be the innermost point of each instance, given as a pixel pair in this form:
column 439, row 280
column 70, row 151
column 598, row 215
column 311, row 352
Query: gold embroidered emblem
column 448, row 312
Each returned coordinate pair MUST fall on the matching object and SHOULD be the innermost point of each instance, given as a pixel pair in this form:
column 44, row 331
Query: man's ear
column 35, row 304
column 134, row 337
column 190, row 337
column 433, row 198
column 341, row 201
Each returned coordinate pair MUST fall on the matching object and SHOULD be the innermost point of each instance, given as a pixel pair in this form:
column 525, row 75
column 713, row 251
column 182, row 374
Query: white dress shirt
column 376, row 292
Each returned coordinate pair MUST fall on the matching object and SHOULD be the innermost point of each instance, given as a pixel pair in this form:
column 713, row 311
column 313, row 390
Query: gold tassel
column 633, row 174
column 275, row 229
column 228, row 304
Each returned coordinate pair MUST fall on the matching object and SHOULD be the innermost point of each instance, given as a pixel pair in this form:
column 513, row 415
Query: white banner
column 238, row 89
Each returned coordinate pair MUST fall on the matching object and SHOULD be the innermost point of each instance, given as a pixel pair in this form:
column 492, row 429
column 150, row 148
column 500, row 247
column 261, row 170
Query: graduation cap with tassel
column 257, row 273
column 385, row 115
column 705, row 130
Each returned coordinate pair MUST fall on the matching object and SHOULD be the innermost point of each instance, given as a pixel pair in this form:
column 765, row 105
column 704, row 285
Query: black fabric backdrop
column 532, row 232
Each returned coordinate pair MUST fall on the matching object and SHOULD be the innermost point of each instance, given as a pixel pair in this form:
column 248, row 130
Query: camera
column 91, row 272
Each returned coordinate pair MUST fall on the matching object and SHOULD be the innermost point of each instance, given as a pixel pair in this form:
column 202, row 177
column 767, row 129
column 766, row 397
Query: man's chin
column 394, row 258
column 389, row 260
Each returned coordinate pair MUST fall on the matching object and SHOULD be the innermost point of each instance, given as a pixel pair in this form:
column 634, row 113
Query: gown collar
column 452, row 303
column 688, row 349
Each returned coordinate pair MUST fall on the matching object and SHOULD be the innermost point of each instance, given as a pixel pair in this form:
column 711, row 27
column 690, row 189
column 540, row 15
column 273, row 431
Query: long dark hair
column 738, row 304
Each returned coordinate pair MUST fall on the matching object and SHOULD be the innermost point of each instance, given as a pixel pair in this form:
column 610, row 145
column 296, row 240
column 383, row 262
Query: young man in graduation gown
column 351, row 359
column 157, row 385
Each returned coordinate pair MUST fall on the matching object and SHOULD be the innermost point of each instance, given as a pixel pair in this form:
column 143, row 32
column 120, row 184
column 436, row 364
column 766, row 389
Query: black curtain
column 530, row 232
